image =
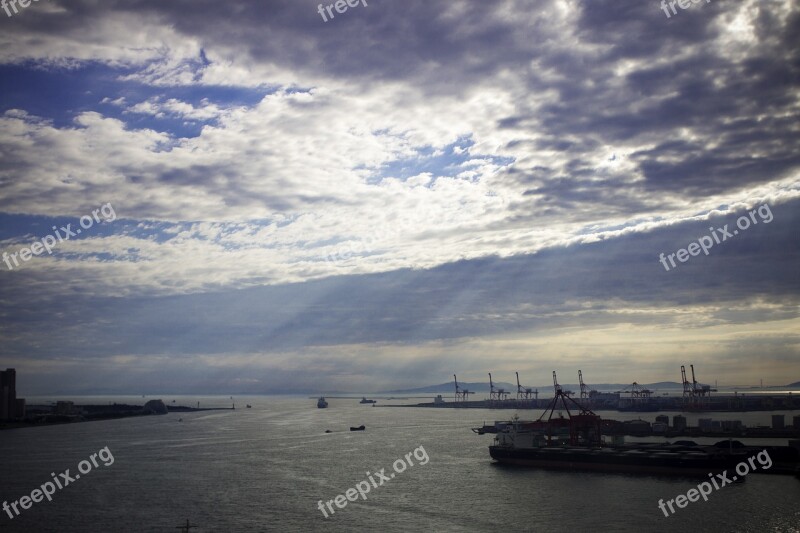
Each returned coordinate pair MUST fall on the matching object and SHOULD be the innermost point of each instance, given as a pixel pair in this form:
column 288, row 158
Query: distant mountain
column 665, row 385
column 544, row 389
column 450, row 387
column 794, row 385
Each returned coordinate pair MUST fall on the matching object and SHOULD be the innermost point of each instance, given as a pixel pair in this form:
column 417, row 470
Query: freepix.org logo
column 340, row 6
column 62, row 480
column 5, row 4
column 363, row 487
column 704, row 489
column 719, row 235
column 49, row 241
column 683, row 4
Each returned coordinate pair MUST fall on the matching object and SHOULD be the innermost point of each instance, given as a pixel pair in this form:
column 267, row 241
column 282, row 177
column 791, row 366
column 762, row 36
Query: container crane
column 496, row 394
column 461, row 394
column 525, row 393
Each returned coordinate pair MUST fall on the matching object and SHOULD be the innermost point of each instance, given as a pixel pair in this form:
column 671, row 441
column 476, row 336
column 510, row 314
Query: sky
column 274, row 200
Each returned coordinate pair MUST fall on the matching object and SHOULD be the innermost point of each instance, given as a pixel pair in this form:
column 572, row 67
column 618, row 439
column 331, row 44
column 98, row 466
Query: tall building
column 8, row 394
column 19, row 408
column 3, row 400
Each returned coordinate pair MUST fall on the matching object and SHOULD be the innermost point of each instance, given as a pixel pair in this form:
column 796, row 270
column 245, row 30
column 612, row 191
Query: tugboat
column 321, row 403
column 574, row 443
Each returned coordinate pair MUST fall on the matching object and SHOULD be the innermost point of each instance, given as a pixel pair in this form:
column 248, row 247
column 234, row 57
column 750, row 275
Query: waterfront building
column 8, row 394
column 731, row 425
column 65, row 408
column 19, row 408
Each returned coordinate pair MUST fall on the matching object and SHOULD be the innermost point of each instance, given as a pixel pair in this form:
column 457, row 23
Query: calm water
column 265, row 469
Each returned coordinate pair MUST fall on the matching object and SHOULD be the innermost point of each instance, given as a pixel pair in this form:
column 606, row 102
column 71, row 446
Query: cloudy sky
column 407, row 190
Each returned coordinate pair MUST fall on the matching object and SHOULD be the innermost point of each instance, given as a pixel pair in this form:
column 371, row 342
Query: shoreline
column 99, row 413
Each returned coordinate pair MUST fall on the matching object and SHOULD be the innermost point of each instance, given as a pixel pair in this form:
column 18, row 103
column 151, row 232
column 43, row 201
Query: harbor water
column 268, row 467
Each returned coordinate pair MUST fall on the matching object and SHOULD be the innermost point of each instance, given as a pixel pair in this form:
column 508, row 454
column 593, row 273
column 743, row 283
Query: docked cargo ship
column 574, row 442
column 632, row 458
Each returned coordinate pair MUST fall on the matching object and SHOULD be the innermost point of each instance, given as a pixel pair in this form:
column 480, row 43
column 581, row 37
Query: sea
column 273, row 467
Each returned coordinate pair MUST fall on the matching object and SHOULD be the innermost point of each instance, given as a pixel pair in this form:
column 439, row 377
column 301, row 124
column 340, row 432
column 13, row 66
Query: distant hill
column 450, row 387
column 794, row 385
column 512, row 387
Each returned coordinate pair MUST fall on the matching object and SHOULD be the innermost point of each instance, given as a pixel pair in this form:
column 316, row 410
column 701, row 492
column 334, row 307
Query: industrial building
column 11, row 407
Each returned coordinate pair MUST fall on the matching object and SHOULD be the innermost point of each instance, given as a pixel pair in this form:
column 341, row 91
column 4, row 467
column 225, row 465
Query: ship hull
column 609, row 460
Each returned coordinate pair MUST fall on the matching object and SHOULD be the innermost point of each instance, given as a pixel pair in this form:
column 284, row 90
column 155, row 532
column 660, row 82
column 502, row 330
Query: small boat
column 364, row 400
column 359, row 428
column 497, row 427
column 321, row 403
column 249, row 406
column 328, row 431
column 186, row 528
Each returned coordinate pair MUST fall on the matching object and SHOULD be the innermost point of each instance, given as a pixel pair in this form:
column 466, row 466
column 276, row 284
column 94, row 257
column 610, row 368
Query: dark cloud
column 740, row 99
column 464, row 299
column 693, row 107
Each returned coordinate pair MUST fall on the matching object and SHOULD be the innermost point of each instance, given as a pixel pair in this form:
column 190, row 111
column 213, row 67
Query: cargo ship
column 574, row 442
column 631, row 458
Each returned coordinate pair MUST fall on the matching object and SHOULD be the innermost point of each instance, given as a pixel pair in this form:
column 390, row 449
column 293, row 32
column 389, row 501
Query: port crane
column 638, row 396
column 688, row 391
column 586, row 397
column 637, row 391
column 496, row 394
column 703, row 392
column 583, row 425
column 525, row 393
column 695, row 396
column 559, row 391
column 462, row 395
column 584, row 388
column 556, row 386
